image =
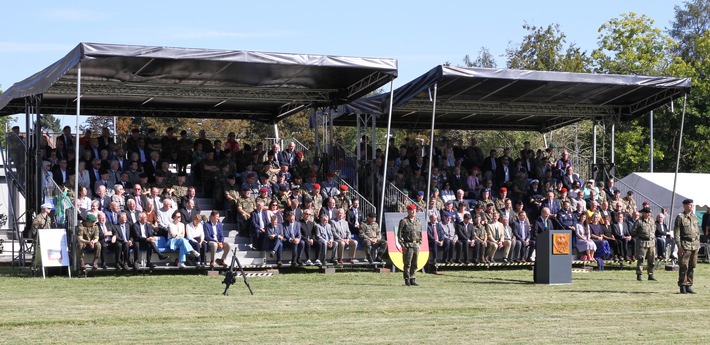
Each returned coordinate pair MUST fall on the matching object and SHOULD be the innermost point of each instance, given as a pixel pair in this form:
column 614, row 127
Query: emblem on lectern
column 560, row 244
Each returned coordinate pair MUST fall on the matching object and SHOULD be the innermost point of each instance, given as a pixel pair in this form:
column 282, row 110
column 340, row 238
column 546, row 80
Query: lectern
column 553, row 258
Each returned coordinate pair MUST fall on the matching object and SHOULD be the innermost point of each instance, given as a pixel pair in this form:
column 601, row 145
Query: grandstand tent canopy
column 127, row 80
column 505, row 99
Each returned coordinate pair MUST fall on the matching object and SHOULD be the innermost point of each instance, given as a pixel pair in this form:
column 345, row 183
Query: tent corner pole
column 431, row 149
column 76, row 163
column 387, row 150
column 677, row 161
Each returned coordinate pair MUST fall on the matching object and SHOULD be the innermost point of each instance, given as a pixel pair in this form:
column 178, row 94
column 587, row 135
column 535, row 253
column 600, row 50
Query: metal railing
column 395, row 199
column 639, row 197
column 365, row 205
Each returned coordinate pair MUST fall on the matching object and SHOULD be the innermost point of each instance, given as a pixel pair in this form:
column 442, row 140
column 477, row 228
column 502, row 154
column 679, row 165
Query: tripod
column 231, row 276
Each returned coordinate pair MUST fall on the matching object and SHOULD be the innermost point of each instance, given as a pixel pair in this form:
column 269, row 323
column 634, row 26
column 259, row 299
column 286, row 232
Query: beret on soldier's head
column 91, row 218
column 411, row 207
column 371, row 215
column 687, row 201
column 645, row 210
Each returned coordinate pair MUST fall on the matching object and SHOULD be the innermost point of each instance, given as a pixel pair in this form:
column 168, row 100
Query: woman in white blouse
column 83, row 202
column 177, row 241
column 195, row 234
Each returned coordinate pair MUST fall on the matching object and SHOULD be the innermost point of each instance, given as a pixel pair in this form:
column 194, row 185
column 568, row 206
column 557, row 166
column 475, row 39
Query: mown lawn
column 356, row 308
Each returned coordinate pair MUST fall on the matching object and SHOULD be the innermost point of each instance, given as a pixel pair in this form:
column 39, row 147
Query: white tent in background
column 657, row 188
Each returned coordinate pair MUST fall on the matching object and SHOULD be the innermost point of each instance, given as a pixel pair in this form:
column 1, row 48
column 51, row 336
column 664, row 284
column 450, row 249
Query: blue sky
column 420, row 34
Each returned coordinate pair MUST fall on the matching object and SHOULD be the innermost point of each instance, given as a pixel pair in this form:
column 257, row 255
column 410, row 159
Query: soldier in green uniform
column 687, row 235
column 245, row 206
column 230, row 197
column 372, row 239
column 41, row 221
column 420, row 202
column 644, row 232
column 409, row 236
column 179, row 188
column 88, row 237
column 343, row 200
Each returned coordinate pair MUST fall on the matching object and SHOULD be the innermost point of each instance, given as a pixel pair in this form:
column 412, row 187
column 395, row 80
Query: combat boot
column 650, row 277
column 689, row 289
column 413, row 282
column 682, row 289
column 406, row 282
column 638, row 277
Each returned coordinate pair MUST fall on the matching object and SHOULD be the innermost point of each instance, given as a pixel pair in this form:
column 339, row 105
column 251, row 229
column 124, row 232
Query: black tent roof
column 504, row 99
column 126, row 80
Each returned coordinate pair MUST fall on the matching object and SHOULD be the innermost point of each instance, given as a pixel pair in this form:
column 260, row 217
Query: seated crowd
column 480, row 205
column 275, row 197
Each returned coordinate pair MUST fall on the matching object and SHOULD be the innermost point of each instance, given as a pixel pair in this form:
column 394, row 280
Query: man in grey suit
column 341, row 235
column 324, row 237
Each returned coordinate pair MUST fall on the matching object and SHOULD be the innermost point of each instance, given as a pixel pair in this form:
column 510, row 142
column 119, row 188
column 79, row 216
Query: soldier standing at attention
column 410, row 237
column 644, row 231
column 687, row 235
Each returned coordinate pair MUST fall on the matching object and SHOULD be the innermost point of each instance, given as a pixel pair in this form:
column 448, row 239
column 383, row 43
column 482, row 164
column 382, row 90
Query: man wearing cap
column 88, row 237
column 479, row 239
column 264, row 196
column 630, row 202
column 420, row 202
column 409, row 237
column 329, row 188
column 245, row 206
column 184, row 152
column 342, row 200
column 301, row 166
column 41, row 221
column 687, row 236
column 643, row 231
column 231, row 197
column 371, row 238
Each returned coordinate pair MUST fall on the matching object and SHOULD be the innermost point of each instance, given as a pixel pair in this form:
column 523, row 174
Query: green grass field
column 356, row 308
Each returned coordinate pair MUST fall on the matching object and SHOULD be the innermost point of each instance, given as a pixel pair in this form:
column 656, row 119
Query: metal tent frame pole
column 387, row 150
column 677, row 161
column 651, row 140
column 76, row 164
column 431, row 149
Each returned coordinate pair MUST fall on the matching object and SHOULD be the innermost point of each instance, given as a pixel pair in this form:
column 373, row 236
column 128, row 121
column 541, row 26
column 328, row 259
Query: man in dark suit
column 138, row 197
column 490, row 165
column 60, row 172
column 94, row 174
column 521, row 232
column 106, row 237
column 151, row 166
column 542, row 223
column 259, row 220
column 308, row 236
column 620, row 229
column 288, row 155
column 292, row 238
column 215, row 239
column 103, row 199
column 191, row 192
column 132, row 214
column 435, row 235
column 143, row 235
column 122, row 233
column 188, row 211
column 464, row 232
column 354, row 216
column 503, row 174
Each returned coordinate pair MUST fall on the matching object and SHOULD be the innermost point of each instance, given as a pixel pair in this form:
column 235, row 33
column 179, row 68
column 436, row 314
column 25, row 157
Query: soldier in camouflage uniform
column 343, row 200
column 409, row 236
column 41, row 221
column 687, row 235
column 230, row 197
column 88, row 237
column 644, row 232
column 245, row 206
column 372, row 239
column 180, row 187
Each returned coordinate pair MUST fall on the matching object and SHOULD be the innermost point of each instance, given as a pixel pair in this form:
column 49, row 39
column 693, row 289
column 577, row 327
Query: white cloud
column 74, row 15
column 16, row 47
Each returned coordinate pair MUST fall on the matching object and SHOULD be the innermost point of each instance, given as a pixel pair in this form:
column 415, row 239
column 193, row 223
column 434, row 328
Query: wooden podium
column 553, row 258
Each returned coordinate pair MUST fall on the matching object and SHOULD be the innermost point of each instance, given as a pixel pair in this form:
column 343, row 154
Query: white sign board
column 53, row 247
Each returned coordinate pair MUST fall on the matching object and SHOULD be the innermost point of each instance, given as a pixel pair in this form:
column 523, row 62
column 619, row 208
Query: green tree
column 50, row 123
column 484, row 59
column 543, row 49
column 692, row 20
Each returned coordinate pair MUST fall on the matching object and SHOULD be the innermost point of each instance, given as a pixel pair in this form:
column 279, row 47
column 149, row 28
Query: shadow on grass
column 490, row 281
column 613, row 292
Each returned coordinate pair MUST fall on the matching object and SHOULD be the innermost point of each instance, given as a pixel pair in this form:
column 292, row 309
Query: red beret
column 300, row 154
column 331, row 174
column 343, row 187
column 563, row 190
column 316, row 186
column 412, row 207
column 503, row 189
column 263, row 189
